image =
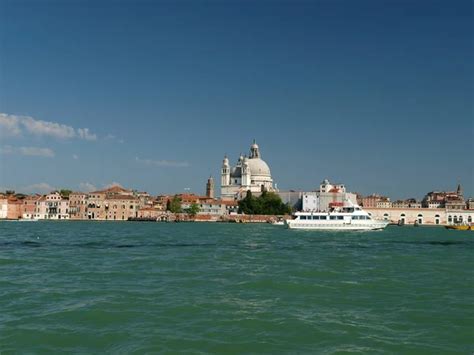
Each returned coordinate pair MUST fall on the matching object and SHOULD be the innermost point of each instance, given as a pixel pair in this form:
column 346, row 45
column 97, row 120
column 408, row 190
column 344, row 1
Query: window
column 302, row 217
column 340, row 217
column 316, row 217
column 322, row 217
column 332, row 217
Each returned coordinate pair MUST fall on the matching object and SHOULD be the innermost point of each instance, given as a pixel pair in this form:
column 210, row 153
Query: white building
column 250, row 173
column 52, row 206
column 327, row 196
column 3, row 207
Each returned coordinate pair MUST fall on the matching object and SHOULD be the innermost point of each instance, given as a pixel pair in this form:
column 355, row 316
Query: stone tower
column 225, row 172
column 459, row 191
column 210, row 187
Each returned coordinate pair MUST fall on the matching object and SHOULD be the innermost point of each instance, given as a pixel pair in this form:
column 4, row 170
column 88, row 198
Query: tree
column 65, row 193
column 268, row 203
column 175, row 205
column 193, row 209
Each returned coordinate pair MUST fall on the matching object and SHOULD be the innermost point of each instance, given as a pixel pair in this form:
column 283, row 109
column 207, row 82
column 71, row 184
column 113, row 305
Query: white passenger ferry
column 337, row 218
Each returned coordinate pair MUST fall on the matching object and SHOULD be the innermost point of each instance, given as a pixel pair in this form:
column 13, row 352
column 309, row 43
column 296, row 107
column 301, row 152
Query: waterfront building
column 3, row 207
column 329, row 195
column 250, row 173
column 52, row 206
column 374, row 199
column 28, row 206
column 78, row 205
column 448, row 199
column 114, row 203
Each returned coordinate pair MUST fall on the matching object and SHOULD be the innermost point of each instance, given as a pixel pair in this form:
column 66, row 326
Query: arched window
column 420, row 218
column 469, row 219
column 385, row 216
column 437, row 219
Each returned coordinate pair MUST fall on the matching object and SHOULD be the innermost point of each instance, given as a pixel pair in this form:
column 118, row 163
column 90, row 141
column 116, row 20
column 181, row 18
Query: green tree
column 268, row 203
column 175, row 205
column 65, row 193
column 193, row 209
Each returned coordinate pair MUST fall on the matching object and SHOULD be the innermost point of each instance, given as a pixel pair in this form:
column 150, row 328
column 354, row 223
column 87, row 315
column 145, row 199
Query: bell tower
column 210, row 187
column 225, row 172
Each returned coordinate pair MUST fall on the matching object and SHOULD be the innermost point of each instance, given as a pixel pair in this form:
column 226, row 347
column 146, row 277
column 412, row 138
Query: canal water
column 130, row 287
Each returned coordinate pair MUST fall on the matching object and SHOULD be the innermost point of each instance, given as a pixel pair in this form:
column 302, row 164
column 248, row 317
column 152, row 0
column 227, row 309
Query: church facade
column 250, row 173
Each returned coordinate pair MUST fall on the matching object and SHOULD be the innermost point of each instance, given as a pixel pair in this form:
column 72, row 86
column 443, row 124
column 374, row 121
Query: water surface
column 123, row 287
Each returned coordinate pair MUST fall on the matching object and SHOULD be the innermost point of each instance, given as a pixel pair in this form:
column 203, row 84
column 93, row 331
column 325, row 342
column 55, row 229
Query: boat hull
column 461, row 228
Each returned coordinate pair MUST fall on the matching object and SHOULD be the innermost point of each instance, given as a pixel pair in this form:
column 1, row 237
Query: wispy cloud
column 29, row 151
column 75, row 156
column 41, row 188
column 13, row 125
column 163, row 163
column 87, row 187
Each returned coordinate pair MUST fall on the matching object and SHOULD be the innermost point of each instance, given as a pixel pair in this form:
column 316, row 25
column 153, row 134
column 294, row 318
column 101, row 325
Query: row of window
column 333, row 217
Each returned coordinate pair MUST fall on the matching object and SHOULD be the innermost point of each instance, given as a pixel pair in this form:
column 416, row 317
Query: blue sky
column 375, row 94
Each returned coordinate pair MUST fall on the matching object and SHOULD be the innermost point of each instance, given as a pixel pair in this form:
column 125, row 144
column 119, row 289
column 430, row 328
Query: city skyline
column 152, row 95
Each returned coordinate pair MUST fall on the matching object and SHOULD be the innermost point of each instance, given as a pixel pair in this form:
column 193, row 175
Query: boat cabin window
column 316, row 217
column 322, row 217
column 302, row 217
column 340, row 217
column 332, row 217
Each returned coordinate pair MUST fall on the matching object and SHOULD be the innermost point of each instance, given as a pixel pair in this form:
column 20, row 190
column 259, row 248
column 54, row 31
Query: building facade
column 52, row 206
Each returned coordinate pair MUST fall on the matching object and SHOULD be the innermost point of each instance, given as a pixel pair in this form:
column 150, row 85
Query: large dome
column 258, row 167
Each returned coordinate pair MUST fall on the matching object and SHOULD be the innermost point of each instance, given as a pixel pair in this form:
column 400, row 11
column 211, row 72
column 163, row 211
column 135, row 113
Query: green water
column 226, row 288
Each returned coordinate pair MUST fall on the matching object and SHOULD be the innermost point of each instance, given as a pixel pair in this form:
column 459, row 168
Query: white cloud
column 87, row 187
column 29, row 151
column 9, row 125
column 45, row 128
column 85, row 134
column 41, row 188
column 163, row 163
column 14, row 125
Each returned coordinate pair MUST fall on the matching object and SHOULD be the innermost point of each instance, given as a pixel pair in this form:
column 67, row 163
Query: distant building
column 210, row 187
column 3, row 207
column 333, row 195
column 28, row 206
column 78, row 205
column 448, row 199
column 375, row 200
column 329, row 195
column 52, row 206
column 250, row 173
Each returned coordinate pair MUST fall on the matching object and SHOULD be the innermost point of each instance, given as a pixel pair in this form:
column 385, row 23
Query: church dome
column 258, row 167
